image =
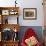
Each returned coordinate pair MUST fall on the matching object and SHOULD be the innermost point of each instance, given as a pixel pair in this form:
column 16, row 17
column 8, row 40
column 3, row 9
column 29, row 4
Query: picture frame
column 5, row 12
column 30, row 13
column 11, row 12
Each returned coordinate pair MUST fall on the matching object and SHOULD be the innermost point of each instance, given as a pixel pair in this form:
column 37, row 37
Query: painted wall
column 26, row 4
column 32, row 4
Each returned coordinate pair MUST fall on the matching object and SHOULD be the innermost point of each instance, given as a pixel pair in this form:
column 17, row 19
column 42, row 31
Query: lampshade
column 15, row 30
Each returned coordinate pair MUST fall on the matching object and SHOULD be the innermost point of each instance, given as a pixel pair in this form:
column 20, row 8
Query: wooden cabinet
column 5, row 26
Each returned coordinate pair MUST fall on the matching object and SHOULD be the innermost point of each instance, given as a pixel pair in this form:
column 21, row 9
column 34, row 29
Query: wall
column 27, row 4
column 32, row 4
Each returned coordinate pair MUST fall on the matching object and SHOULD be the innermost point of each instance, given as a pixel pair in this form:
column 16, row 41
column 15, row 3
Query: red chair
column 29, row 33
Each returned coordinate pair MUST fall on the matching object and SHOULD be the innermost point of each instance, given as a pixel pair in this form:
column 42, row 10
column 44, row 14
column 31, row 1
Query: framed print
column 11, row 12
column 5, row 12
column 30, row 13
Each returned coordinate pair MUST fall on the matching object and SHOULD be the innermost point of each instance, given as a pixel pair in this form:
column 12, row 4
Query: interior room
column 22, row 23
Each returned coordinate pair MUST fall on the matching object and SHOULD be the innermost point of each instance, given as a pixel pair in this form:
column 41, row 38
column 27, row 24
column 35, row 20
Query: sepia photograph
column 30, row 13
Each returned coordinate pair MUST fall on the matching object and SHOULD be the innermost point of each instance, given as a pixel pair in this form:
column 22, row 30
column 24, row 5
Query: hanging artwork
column 30, row 13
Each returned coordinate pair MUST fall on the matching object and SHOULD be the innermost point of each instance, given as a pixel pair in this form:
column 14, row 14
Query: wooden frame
column 29, row 13
column 5, row 12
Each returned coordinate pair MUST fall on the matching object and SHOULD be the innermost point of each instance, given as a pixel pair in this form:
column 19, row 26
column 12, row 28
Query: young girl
column 30, row 39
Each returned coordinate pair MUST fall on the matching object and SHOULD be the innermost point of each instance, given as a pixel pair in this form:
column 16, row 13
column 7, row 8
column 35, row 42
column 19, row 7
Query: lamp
column 15, row 30
column 15, row 3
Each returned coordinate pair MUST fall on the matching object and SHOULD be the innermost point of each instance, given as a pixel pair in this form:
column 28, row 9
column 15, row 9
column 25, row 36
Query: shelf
column 6, row 12
column 9, row 10
column 11, row 26
column 6, row 24
column 10, row 41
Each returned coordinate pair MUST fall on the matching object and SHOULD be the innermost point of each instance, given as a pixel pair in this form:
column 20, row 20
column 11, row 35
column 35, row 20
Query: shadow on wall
column 37, row 29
